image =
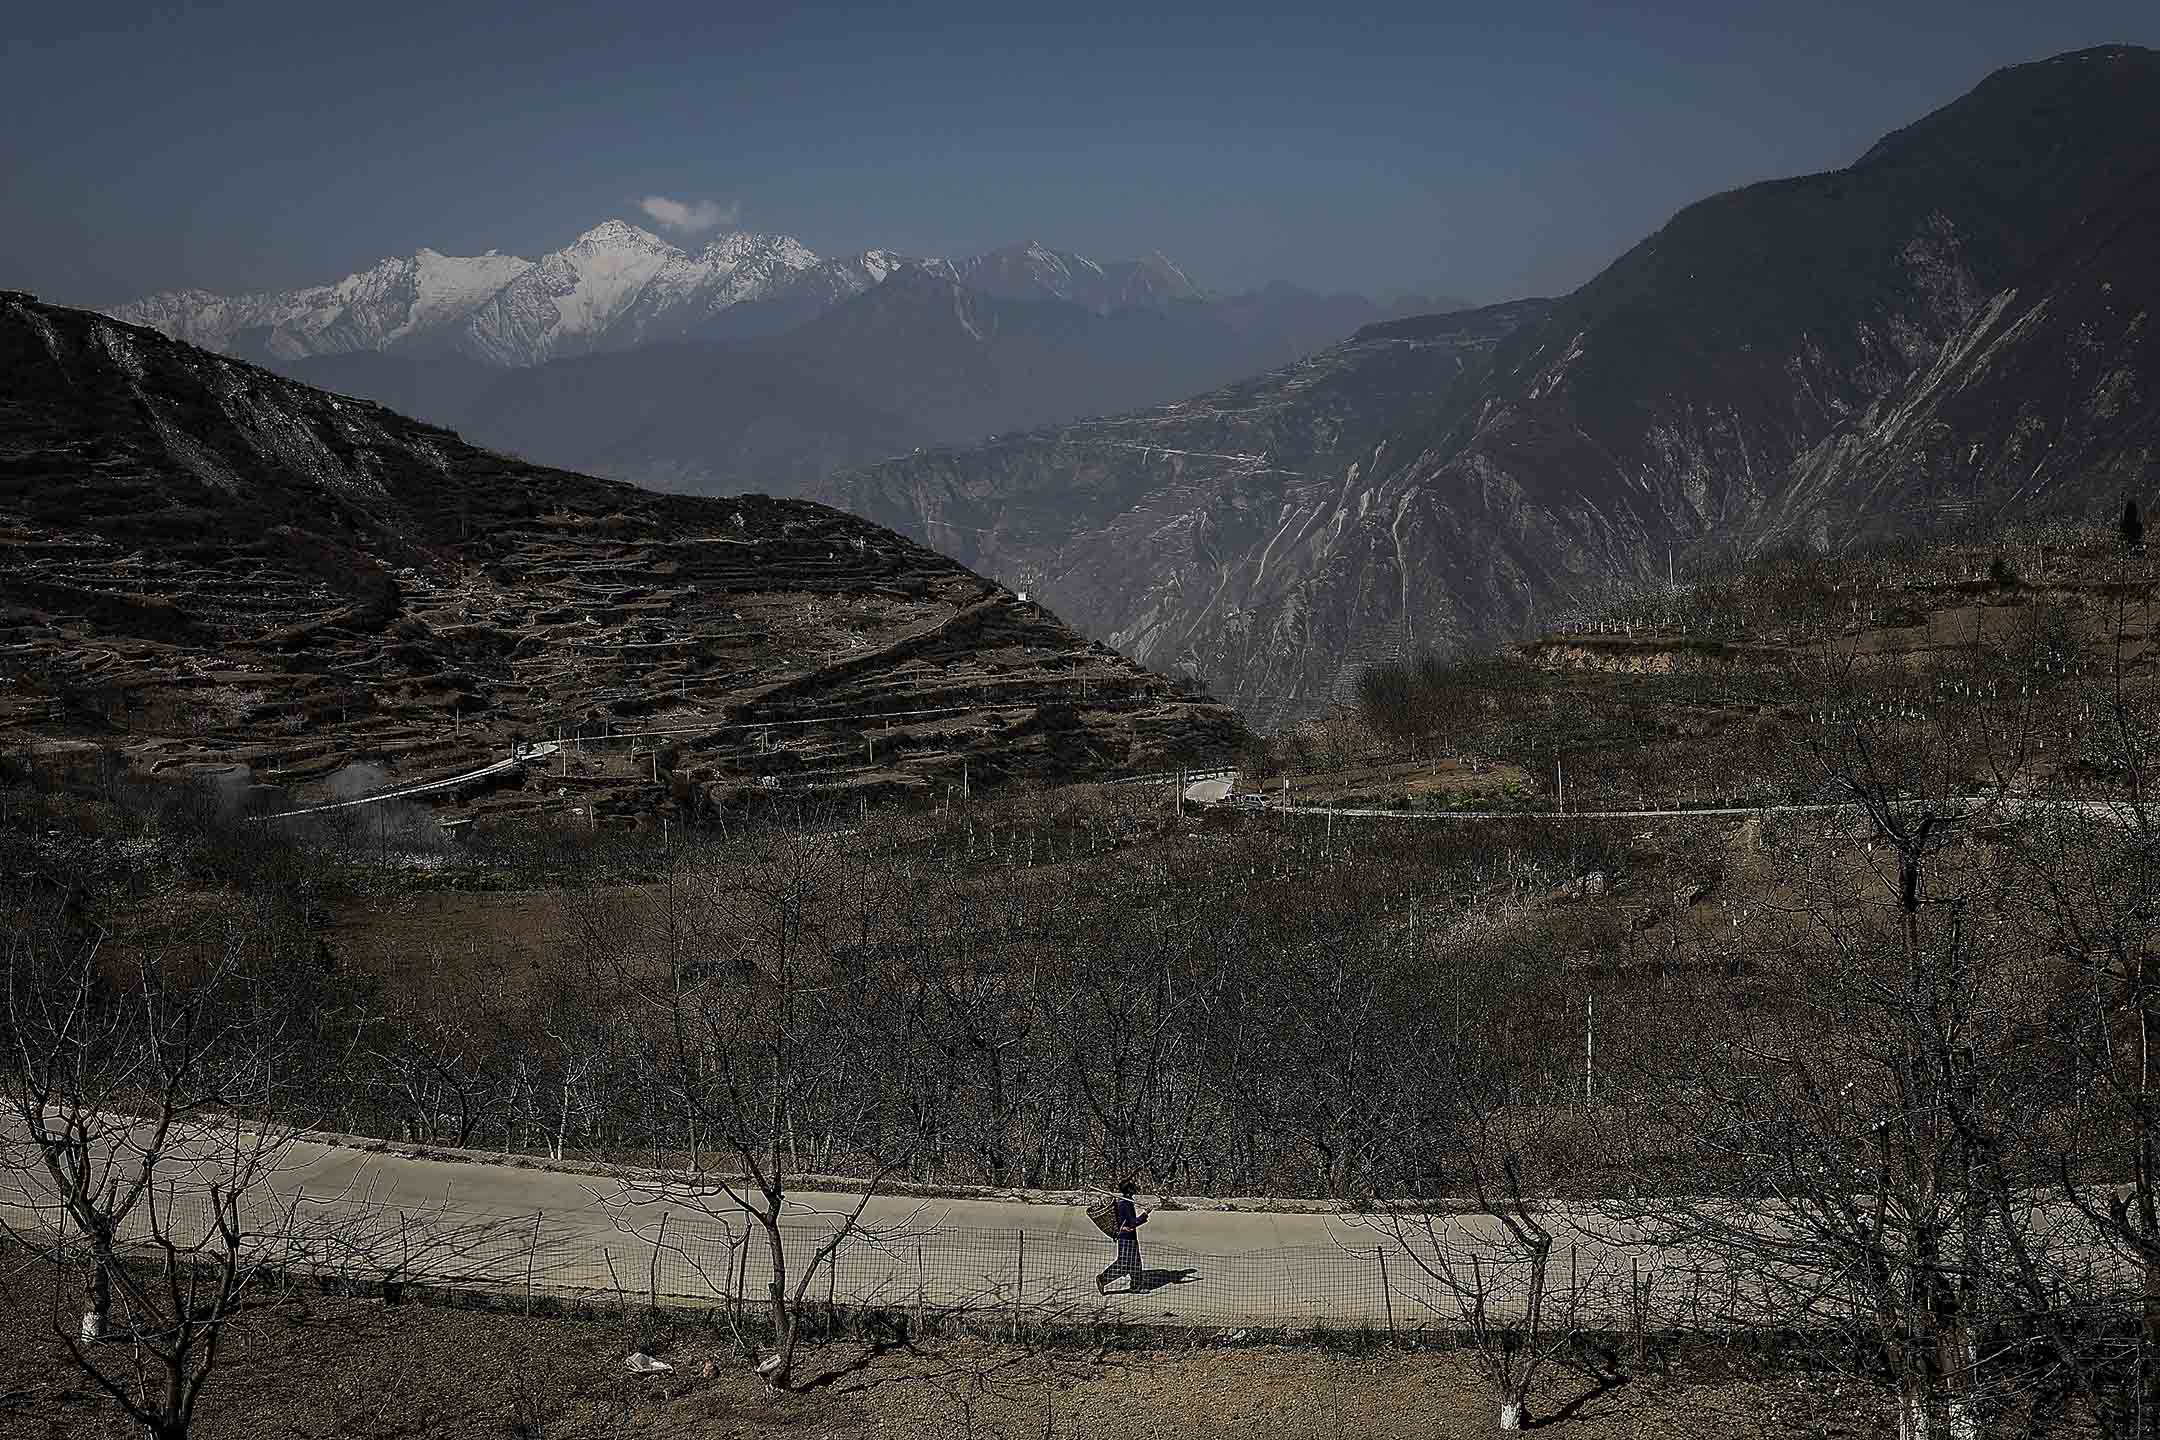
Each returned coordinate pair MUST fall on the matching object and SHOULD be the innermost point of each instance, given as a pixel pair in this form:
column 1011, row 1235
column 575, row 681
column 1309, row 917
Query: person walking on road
column 1130, row 1218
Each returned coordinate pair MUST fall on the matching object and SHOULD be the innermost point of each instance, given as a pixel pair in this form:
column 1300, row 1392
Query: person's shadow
column 1148, row 1280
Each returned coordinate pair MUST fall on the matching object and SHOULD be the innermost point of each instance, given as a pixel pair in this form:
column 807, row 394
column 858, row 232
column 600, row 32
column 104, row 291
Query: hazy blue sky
column 1488, row 150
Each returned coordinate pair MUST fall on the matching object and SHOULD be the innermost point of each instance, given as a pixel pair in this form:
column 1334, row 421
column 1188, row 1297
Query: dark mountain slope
column 1678, row 385
column 210, row 564
column 2049, row 398
column 1685, row 396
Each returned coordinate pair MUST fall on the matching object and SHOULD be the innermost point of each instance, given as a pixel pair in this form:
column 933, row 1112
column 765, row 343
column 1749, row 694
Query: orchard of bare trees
column 1892, row 1058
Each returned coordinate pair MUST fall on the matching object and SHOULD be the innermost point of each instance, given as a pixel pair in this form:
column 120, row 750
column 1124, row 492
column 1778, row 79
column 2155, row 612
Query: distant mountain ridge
column 389, row 302
column 614, row 287
column 1960, row 324
column 619, row 286
column 917, row 360
column 1032, row 271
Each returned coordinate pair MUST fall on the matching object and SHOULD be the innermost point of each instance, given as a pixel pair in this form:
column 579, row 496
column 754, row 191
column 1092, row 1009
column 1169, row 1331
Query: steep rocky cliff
column 2048, row 397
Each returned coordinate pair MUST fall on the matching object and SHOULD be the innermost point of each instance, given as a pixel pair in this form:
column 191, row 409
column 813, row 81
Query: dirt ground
column 405, row 935
column 319, row 1366
column 1426, row 778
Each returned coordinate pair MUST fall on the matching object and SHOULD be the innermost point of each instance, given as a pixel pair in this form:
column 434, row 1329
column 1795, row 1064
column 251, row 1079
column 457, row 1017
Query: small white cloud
column 690, row 217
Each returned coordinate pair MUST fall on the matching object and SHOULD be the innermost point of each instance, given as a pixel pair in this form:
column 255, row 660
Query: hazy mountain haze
column 1433, row 148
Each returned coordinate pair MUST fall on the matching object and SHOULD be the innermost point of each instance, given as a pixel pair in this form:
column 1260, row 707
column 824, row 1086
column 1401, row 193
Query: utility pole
column 1589, row 1062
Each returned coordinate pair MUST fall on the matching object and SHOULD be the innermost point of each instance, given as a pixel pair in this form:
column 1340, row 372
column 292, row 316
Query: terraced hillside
column 2036, row 646
column 212, row 568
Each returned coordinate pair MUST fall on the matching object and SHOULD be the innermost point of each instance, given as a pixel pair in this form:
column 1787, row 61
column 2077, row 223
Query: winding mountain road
column 427, row 787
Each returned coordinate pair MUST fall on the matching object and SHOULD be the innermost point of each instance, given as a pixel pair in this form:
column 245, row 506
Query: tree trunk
column 1913, row 1397
column 175, row 1424
column 97, row 1294
column 779, row 1369
column 2149, row 1352
column 2148, row 1209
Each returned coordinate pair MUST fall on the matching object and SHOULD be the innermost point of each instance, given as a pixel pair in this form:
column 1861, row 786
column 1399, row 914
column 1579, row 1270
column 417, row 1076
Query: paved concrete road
column 1971, row 807
column 509, row 1226
column 528, row 1228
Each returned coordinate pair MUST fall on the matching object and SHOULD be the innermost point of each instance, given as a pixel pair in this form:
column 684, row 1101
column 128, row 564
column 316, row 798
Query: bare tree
column 438, row 1057
column 1856, row 1143
column 1491, row 1138
column 793, row 1026
column 1127, row 1048
column 2088, row 863
column 140, row 1096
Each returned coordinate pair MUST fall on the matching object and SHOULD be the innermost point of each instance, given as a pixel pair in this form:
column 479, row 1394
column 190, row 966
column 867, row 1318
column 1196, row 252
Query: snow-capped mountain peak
column 446, row 288
column 618, row 235
column 880, row 263
column 565, row 304
column 737, row 246
column 615, row 286
column 371, row 309
column 687, row 291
